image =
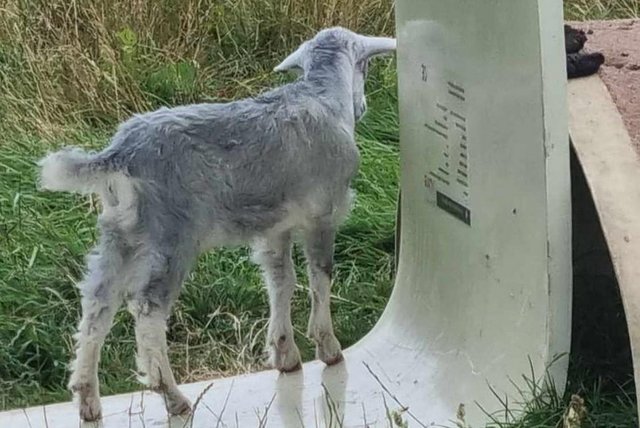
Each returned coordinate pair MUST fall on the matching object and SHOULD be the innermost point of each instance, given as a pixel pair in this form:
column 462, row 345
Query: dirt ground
column 619, row 41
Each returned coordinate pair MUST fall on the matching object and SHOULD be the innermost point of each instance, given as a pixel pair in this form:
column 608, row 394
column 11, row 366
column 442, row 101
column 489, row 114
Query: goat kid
column 176, row 182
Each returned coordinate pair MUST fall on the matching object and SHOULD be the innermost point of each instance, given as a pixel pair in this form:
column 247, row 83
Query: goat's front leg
column 319, row 243
column 274, row 256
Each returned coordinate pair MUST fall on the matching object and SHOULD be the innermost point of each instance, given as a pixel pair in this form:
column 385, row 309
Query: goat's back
column 235, row 170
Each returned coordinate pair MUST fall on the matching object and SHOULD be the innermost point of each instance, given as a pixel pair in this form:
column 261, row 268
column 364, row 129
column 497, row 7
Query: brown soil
column 619, row 41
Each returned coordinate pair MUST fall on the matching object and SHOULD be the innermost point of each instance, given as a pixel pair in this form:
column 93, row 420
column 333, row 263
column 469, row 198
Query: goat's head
column 320, row 54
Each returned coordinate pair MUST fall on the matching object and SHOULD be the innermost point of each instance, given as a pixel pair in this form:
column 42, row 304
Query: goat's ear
column 293, row 61
column 377, row 45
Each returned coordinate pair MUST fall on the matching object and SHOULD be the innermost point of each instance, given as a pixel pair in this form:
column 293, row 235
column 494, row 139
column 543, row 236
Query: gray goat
column 176, row 182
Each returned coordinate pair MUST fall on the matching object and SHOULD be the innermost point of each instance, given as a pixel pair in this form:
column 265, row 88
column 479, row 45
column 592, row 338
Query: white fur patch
column 57, row 172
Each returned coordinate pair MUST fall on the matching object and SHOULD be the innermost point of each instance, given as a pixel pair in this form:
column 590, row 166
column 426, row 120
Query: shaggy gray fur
column 179, row 181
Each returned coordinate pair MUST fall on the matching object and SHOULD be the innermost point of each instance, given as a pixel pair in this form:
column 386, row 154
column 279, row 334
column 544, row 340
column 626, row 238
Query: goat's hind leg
column 101, row 291
column 150, row 307
column 319, row 247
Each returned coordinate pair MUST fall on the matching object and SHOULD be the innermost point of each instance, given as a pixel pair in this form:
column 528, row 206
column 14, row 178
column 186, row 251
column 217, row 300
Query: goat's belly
column 244, row 227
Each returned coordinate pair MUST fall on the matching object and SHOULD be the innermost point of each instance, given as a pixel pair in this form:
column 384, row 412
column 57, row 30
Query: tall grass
column 601, row 9
column 96, row 61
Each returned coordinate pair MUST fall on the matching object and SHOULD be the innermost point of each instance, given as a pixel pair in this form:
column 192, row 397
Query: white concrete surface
column 482, row 296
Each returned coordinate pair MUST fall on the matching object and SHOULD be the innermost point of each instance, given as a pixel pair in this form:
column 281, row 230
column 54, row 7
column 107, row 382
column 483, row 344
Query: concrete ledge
column 612, row 169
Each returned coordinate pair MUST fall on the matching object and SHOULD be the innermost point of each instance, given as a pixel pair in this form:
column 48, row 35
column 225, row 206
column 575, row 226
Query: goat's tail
column 74, row 170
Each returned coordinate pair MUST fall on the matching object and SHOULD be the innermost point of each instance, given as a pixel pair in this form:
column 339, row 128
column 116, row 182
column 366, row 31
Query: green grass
column 67, row 95
column 601, row 9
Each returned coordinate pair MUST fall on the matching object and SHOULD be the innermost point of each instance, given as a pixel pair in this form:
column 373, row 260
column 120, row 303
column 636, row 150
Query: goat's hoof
column 88, row 399
column 288, row 365
column 332, row 361
column 175, row 402
column 286, row 361
column 179, row 407
column 293, row 369
column 90, row 409
column 328, row 350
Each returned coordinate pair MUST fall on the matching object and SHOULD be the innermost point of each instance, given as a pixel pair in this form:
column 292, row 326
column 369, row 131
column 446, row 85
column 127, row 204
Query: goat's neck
column 332, row 74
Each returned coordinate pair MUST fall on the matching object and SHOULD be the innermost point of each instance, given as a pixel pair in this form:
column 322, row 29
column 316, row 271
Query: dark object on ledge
column 583, row 64
column 580, row 64
column 574, row 39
